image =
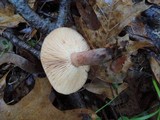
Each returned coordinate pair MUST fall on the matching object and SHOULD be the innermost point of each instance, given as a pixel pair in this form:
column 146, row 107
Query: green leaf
column 32, row 42
column 156, row 87
column 158, row 118
column 105, row 105
column 146, row 116
column 5, row 46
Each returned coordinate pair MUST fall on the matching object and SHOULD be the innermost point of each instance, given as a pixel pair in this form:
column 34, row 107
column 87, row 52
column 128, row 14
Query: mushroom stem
column 91, row 57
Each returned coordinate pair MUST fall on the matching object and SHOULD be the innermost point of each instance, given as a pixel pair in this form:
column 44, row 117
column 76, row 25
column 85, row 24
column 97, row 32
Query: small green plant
column 146, row 116
column 32, row 42
column 105, row 105
column 156, row 87
column 143, row 116
column 5, row 46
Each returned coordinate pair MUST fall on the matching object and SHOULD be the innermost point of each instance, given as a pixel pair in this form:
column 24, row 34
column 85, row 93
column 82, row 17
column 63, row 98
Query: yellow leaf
column 8, row 18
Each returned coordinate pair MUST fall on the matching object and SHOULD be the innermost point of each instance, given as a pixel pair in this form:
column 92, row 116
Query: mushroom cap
column 55, row 57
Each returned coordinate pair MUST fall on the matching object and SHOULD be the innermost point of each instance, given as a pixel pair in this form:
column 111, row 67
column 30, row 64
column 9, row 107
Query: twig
column 45, row 26
column 17, row 42
column 63, row 12
column 21, row 6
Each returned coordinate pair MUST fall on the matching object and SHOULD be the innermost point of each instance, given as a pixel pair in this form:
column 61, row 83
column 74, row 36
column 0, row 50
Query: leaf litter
column 109, row 18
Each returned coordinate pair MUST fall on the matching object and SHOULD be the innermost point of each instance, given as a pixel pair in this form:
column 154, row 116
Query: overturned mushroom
column 66, row 57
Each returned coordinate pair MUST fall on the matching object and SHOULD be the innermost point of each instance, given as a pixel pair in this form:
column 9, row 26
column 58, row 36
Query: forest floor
column 125, row 87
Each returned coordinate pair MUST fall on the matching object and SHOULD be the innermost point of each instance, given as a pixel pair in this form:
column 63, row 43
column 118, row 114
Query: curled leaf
column 105, row 89
column 154, row 1
column 20, row 62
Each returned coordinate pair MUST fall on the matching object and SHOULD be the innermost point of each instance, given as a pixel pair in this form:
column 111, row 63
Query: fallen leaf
column 135, row 45
column 155, row 66
column 88, row 15
column 122, row 87
column 105, row 89
column 8, row 18
column 154, row 1
column 31, row 3
column 112, row 18
column 18, row 84
column 21, row 62
column 127, row 64
column 101, row 88
column 37, row 106
column 117, row 65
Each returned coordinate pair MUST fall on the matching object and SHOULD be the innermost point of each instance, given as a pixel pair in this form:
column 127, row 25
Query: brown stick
column 92, row 57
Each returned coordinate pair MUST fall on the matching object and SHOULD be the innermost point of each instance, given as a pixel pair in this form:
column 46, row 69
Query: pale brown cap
column 55, row 57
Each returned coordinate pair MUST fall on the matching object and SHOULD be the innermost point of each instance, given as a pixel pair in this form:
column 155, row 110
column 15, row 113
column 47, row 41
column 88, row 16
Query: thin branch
column 17, row 42
column 63, row 12
column 44, row 25
column 31, row 17
column 21, row 6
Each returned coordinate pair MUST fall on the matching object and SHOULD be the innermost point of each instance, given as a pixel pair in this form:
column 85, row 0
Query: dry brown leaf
column 113, row 19
column 154, row 1
column 127, row 64
column 155, row 66
column 122, row 87
column 102, row 88
column 135, row 45
column 128, row 2
column 8, row 18
column 114, row 72
column 117, row 64
column 37, row 106
column 31, row 3
column 138, row 27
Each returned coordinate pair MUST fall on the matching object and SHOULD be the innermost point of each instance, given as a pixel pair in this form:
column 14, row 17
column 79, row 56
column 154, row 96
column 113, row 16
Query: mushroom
column 66, row 56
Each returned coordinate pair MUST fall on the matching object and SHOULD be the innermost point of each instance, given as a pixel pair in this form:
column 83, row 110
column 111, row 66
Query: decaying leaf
column 127, row 64
column 135, row 45
column 37, row 106
column 20, row 62
column 31, row 3
column 117, row 65
column 155, row 66
column 88, row 15
column 113, row 19
column 8, row 18
column 154, row 1
column 122, row 87
column 18, row 84
column 101, row 88
column 105, row 89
